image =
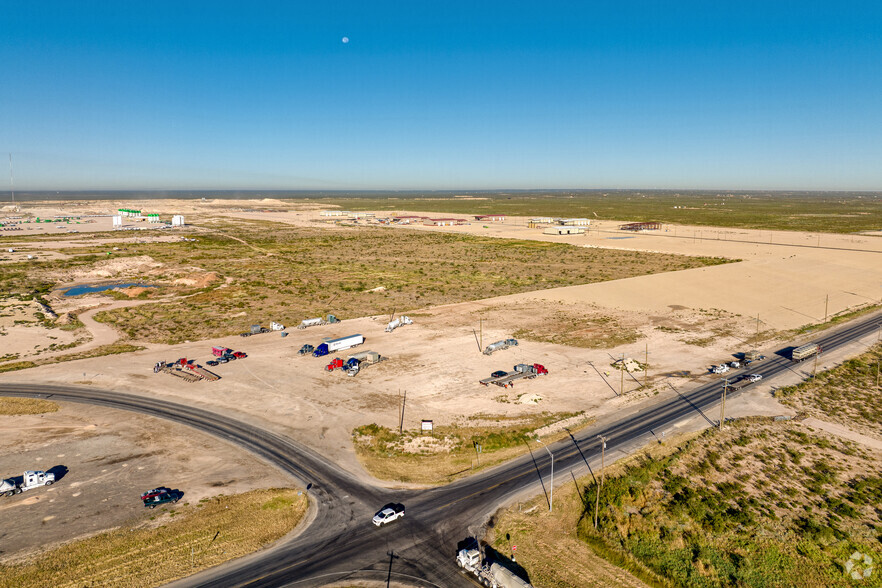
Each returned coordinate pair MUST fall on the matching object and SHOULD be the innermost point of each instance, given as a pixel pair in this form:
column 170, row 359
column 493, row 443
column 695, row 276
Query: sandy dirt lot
column 107, row 459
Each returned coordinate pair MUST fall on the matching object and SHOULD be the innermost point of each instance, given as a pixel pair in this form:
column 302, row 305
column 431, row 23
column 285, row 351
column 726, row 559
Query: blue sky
column 442, row 95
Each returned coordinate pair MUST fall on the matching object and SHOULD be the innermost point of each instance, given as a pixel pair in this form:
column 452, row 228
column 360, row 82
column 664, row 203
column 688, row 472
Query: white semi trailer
column 492, row 575
column 30, row 480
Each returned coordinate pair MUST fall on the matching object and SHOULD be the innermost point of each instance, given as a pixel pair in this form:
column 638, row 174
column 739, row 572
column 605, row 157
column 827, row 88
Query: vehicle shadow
column 60, row 471
column 693, row 405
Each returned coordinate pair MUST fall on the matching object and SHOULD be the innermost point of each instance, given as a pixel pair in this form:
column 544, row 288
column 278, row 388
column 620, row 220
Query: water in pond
column 87, row 289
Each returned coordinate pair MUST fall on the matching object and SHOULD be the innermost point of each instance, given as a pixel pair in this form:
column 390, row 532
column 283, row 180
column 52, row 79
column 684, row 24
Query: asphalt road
column 341, row 543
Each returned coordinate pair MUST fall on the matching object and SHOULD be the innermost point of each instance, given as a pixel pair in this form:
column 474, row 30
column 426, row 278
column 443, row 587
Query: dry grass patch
column 452, row 451
column 16, row 406
column 182, row 541
column 758, row 504
column 292, row 272
column 847, row 394
column 110, row 349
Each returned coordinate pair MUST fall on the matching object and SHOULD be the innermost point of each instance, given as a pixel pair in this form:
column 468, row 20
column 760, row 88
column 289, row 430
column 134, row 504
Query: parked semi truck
column 491, row 574
column 332, row 345
column 29, row 481
column 805, row 352
column 504, row 344
column 316, row 322
column 402, row 320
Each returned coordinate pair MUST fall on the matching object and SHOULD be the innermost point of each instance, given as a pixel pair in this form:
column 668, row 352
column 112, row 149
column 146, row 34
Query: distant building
column 361, row 215
column 332, row 213
column 542, row 220
column 490, row 217
column 444, row 222
column 651, row 226
column 575, row 222
column 563, row 230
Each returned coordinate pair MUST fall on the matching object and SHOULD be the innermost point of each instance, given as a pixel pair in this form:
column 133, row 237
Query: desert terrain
column 673, row 324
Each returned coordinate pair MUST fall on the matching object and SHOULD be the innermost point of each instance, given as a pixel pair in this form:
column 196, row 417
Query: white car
column 734, row 364
column 388, row 513
column 755, row 377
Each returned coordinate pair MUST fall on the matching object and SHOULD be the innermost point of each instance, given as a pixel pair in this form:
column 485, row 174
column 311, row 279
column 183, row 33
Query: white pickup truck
column 29, row 480
column 388, row 513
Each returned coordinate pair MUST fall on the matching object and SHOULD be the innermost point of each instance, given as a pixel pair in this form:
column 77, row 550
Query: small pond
column 87, row 289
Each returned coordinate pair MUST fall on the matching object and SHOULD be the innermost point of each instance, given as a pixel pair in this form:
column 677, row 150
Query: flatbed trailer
column 184, row 375
column 210, row 376
column 509, row 379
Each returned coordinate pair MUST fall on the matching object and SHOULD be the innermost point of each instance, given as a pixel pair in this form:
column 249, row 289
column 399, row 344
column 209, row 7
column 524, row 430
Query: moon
column 345, row 40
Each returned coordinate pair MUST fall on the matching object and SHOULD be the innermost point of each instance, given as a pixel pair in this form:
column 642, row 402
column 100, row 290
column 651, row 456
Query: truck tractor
column 29, row 480
column 491, row 574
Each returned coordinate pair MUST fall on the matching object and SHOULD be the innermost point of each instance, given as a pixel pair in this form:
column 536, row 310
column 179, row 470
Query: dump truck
column 504, row 344
column 491, row 574
column 402, row 320
column 522, row 371
column 29, row 480
column 805, row 352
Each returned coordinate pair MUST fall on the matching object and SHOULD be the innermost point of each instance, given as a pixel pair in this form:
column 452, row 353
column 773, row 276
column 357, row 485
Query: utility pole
column 478, row 452
column 597, row 500
column 826, row 305
column 481, row 344
column 646, row 367
column 551, row 455
column 757, row 329
column 815, row 369
column 622, row 385
column 723, row 403
column 401, row 421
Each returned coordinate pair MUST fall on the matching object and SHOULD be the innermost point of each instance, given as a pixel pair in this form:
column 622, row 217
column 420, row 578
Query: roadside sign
column 427, row 426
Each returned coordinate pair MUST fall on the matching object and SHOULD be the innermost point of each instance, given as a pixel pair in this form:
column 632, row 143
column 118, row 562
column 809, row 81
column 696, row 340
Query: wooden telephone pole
column 646, row 367
column 622, row 385
column 723, row 403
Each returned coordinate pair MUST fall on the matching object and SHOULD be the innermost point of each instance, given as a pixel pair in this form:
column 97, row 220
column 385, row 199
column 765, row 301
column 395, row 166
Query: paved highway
column 340, row 543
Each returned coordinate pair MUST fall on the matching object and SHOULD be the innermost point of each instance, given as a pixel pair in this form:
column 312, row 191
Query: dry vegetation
column 451, row 452
column 16, row 406
column 760, row 504
column 848, row 394
column 287, row 273
column 181, row 541
column 103, row 350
